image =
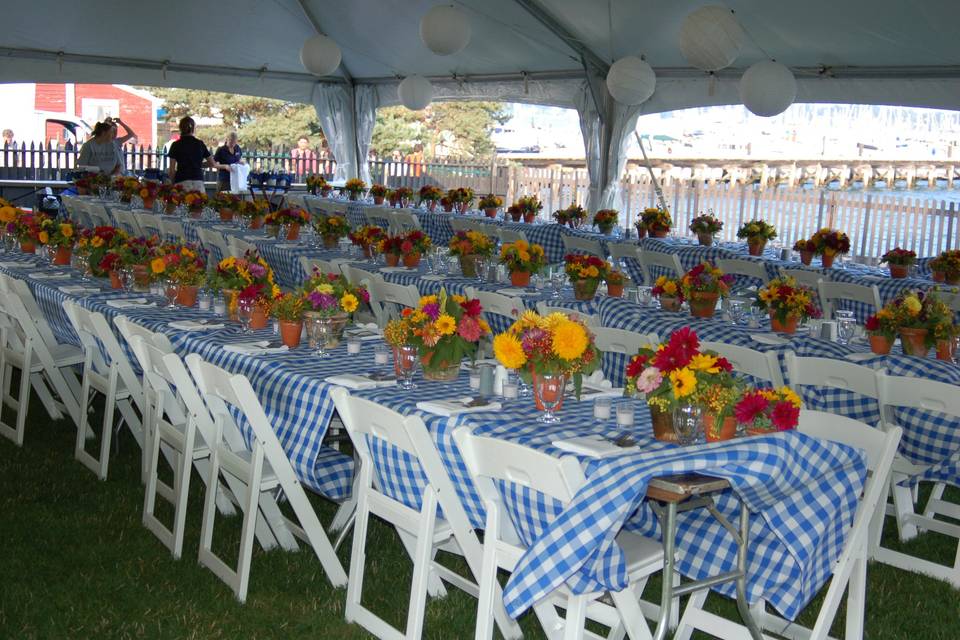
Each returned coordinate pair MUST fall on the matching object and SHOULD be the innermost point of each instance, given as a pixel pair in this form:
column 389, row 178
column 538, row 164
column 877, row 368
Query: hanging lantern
column 711, row 38
column 631, row 81
column 320, row 55
column 415, row 92
column 445, row 30
column 767, row 88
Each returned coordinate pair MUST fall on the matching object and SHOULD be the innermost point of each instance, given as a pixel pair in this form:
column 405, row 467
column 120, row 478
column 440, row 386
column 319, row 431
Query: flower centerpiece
column 195, row 201
column 26, row 229
column 900, row 261
column 615, row 282
column 84, row 183
column 445, row 329
column 605, row 220
column 548, row 351
column 529, row 207
column 573, row 216
column 807, row 249
column 316, row 183
column 253, row 211
column 655, row 221
column 669, row 292
column 149, row 190
column 355, row 188
column 522, row 260
column 461, row 198
column 430, row 194
column 881, row 330
column 490, row 203
column 923, row 320
column 367, row 237
column 287, row 308
column 292, row 218
column 408, row 246
column 126, row 187
column 946, row 267
column 329, row 303
column 97, row 243
column 138, row 253
column 378, row 192
column 331, row 229
column 172, row 197
column 226, row 203
column 702, row 286
column 757, row 233
column 585, row 274
column 58, row 236
column 249, row 278
column 401, row 196
column 468, row 246
column 764, row 411
column 787, row 302
column 185, row 264
column 829, row 243
column 679, row 373
column 706, row 226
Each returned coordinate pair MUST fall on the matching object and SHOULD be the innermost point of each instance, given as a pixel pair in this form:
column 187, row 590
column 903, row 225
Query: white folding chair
column 149, row 224
column 849, row 573
column 620, row 251
column 371, row 281
column 127, row 222
column 668, row 262
column 578, row 245
column 758, row 364
column 22, row 289
column 262, row 469
column 902, row 392
column 592, row 321
column 99, row 217
column 378, row 216
column 610, row 340
column 830, row 291
column 951, row 299
column 460, row 223
column 510, row 235
column 214, row 242
column 756, row 271
column 391, row 297
column 307, row 265
column 238, row 246
column 172, row 228
column 490, row 461
column 403, row 222
column 418, row 521
column 497, row 304
column 79, row 212
column 831, row 373
column 70, row 206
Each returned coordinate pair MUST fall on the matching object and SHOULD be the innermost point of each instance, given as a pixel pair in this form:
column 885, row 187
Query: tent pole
column 653, row 178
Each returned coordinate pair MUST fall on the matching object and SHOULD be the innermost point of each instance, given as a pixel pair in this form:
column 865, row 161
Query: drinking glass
column 321, row 328
column 480, row 264
column 381, row 355
column 407, row 360
column 548, row 388
column 556, row 280
column 126, row 278
column 601, row 409
column 170, row 291
column 736, row 311
column 79, row 263
column 688, row 424
column 245, row 313
column 9, row 242
column 846, row 326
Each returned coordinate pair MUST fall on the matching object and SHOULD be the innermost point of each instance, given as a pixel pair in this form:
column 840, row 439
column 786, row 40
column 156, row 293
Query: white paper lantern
column 445, row 30
column 415, row 92
column 320, row 55
column 631, row 81
column 711, row 38
column 767, row 88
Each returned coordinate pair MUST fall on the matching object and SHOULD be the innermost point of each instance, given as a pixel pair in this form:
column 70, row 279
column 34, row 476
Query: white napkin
column 191, row 325
column 49, row 276
column 860, row 356
column 358, row 382
column 76, row 288
column 395, row 270
column 433, row 278
column 513, row 291
column 768, row 338
column 16, row 265
column 130, row 303
column 594, row 391
column 253, row 238
column 364, row 332
column 592, row 446
column 289, row 246
column 223, row 227
column 260, row 347
column 455, row 407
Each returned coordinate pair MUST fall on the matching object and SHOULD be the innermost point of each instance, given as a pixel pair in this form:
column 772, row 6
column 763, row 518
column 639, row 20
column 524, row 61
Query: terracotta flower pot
column 411, row 260
column 141, row 275
column 951, row 278
column 516, row 215
column 490, row 212
column 115, row 280
column 827, row 260
column 529, row 217
column 726, row 431
column 662, row 425
column 378, row 200
column 187, row 295
column 880, row 344
column 28, row 246
column 325, row 192
column 170, row 208
column 938, row 276
column 789, row 326
column 196, row 212
column 756, row 247
column 806, row 257
column 641, row 231
column 62, row 256
column 367, row 251
column 615, row 290
column 659, row 233
column 83, row 191
column 431, row 205
column 392, row 259
column 148, row 202
column 520, row 278
column 945, row 349
column 550, row 393
column 705, row 239
column 468, row 265
column 290, row 331
column 448, row 208
column 585, row 289
column 293, row 232
column 256, row 222
column 703, row 304
column 226, row 214
column 913, row 341
column 258, row 319
column 898, row 271
column 670, row 303
column 330, row 241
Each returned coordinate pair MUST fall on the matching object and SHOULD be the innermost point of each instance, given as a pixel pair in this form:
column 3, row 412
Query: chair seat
column 65, row 355
column 176, row 434
column 268, row 477
column 640, row 553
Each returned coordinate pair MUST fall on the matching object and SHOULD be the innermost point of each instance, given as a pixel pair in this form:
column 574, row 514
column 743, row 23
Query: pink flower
column 649, row 380
column 469, row 329
column 432, row 310
column 750, row 406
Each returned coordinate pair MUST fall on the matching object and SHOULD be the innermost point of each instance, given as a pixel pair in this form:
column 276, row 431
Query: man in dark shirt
column 228, row 153
column 187, row 157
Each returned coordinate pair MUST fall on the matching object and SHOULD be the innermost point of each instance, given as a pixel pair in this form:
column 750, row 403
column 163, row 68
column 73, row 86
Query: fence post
column 823, row 200
column 743, row 202
column 950, row 226
column 865, row 230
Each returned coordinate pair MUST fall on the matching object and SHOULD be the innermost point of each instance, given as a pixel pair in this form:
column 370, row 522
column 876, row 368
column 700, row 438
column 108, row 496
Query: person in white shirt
column 101, row 151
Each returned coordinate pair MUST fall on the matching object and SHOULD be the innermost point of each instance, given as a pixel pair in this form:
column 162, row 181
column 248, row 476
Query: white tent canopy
column 553, row 52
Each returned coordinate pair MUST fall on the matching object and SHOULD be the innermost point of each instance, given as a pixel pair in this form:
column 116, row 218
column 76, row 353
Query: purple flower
column 323, row 301
column 257, row 270
column 432, row 310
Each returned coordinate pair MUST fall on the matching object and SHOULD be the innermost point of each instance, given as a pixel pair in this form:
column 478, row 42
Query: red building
column 94, row 102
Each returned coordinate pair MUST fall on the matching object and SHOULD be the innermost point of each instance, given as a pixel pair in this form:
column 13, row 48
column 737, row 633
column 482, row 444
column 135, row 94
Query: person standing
column 228, row 153
column 100, row 151
column 187, row 157
column 8, row 140
column 304, row 158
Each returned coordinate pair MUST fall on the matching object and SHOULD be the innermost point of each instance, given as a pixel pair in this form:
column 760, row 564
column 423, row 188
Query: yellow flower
column 43, row 237
column 569, row 340
column 66, row 230
column 157, row 265
column 684, row 382
column 911, row 303
column 509, row 351
column 446, row 325
column 324, row 288
column 790, row 396
column 349, row 302
column 96, row 242
column 425, row 300
column 8, row 214
column 704, row 362
column 418, row 317
column 553, row 321
column 527, row 320
column 458, row 298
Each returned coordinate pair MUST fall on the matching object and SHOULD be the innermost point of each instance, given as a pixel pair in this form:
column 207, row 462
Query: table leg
column 668, row 527
column 742, row 551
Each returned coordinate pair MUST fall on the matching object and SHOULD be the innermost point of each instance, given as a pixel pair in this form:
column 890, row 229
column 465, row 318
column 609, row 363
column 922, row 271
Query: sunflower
column 509, row 351
column 704, row 362
column 43, row 237
column 570, row 340
column 158, row 265
column 349, row 302
column 446, row 325
column 684, row 382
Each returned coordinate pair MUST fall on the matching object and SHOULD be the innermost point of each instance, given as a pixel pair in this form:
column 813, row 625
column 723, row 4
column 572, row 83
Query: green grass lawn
column 77, row 563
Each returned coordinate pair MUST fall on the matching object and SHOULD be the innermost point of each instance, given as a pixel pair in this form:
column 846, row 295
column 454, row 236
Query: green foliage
column 459, row 130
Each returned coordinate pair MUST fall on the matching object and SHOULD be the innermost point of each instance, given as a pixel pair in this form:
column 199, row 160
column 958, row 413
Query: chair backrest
column 9, row 284
column 951, row 299
column 379, row 216
column 833, row 373
column 356, row 275
column 511, row 235
column 128, row 329
column 830, row 291
column 590, row 320
column 623, row 250
column 405, row 295
column 497, row 304
column 239, row 246
column 70, row 205
column 171, row 227
column 748, row 268
column 668, row 262
column 460, row 223
column 307, row 265
column 402, row 221
column 578, row 245
column 214, row 243
column 917, row 393
column 98, row 214
column 127, row 222
column 610, row 340
column 149, row 224
column 80, row 213
column 749, row 361
column 806, row 278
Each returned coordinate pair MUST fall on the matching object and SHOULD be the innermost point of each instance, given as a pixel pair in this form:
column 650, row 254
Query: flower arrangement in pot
column 807, row 249
column 702, row 286
column 408, row 247
column 246, row 280
column 706, row 226
column 946, row 267
column 489, row 204
column 430, row 194
column 656, row 222
column 669, row 292
column 881, row 330
column 522, row 260
column 445, row 329
column 127, row 187
column 401, row 196
column 138, row 253
column 329, row 303
column 468, row 246
column 461, row 198
column 226, row 203
column 678, row 373
column 585, row 274
column 331, row 229
column 97, row 243
column 149, row 190
column 172, row 196
column 547, row 351
column 787, row 302
column 367, row 238
column 186, row 265
column 573, row 216
column 615, row 282
column 291, row 218
column 26, row 229
column 757, row 233
column 253, row 211
column 923, row 320
column 84, row 183
column 58, row 236
column 765, row 411
column 605, row 220
column 899, row 261
column 355, row 188
column 829, row 244
column 195, row 201
column 529, row 207
column 378, row 192
column 316, row 183
column 287, row 308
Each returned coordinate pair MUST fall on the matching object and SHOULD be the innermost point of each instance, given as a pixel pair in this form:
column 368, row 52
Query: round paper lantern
column 631, row 81
column 711, row 38
column 445, row 30
column 767, row 88
column 320, row 55
column 415, row 92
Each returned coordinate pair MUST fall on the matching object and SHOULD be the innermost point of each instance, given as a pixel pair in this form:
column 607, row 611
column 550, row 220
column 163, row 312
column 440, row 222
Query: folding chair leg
column 628, row 606
column 904, row 507
column 358, row 558
column 422, row 567
column 694, row 605
column 23, row 403
column 856, row 598
column 487, row 595
column 936, row 494
column 434, row 586
column 576, row 618
column 50, row 404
